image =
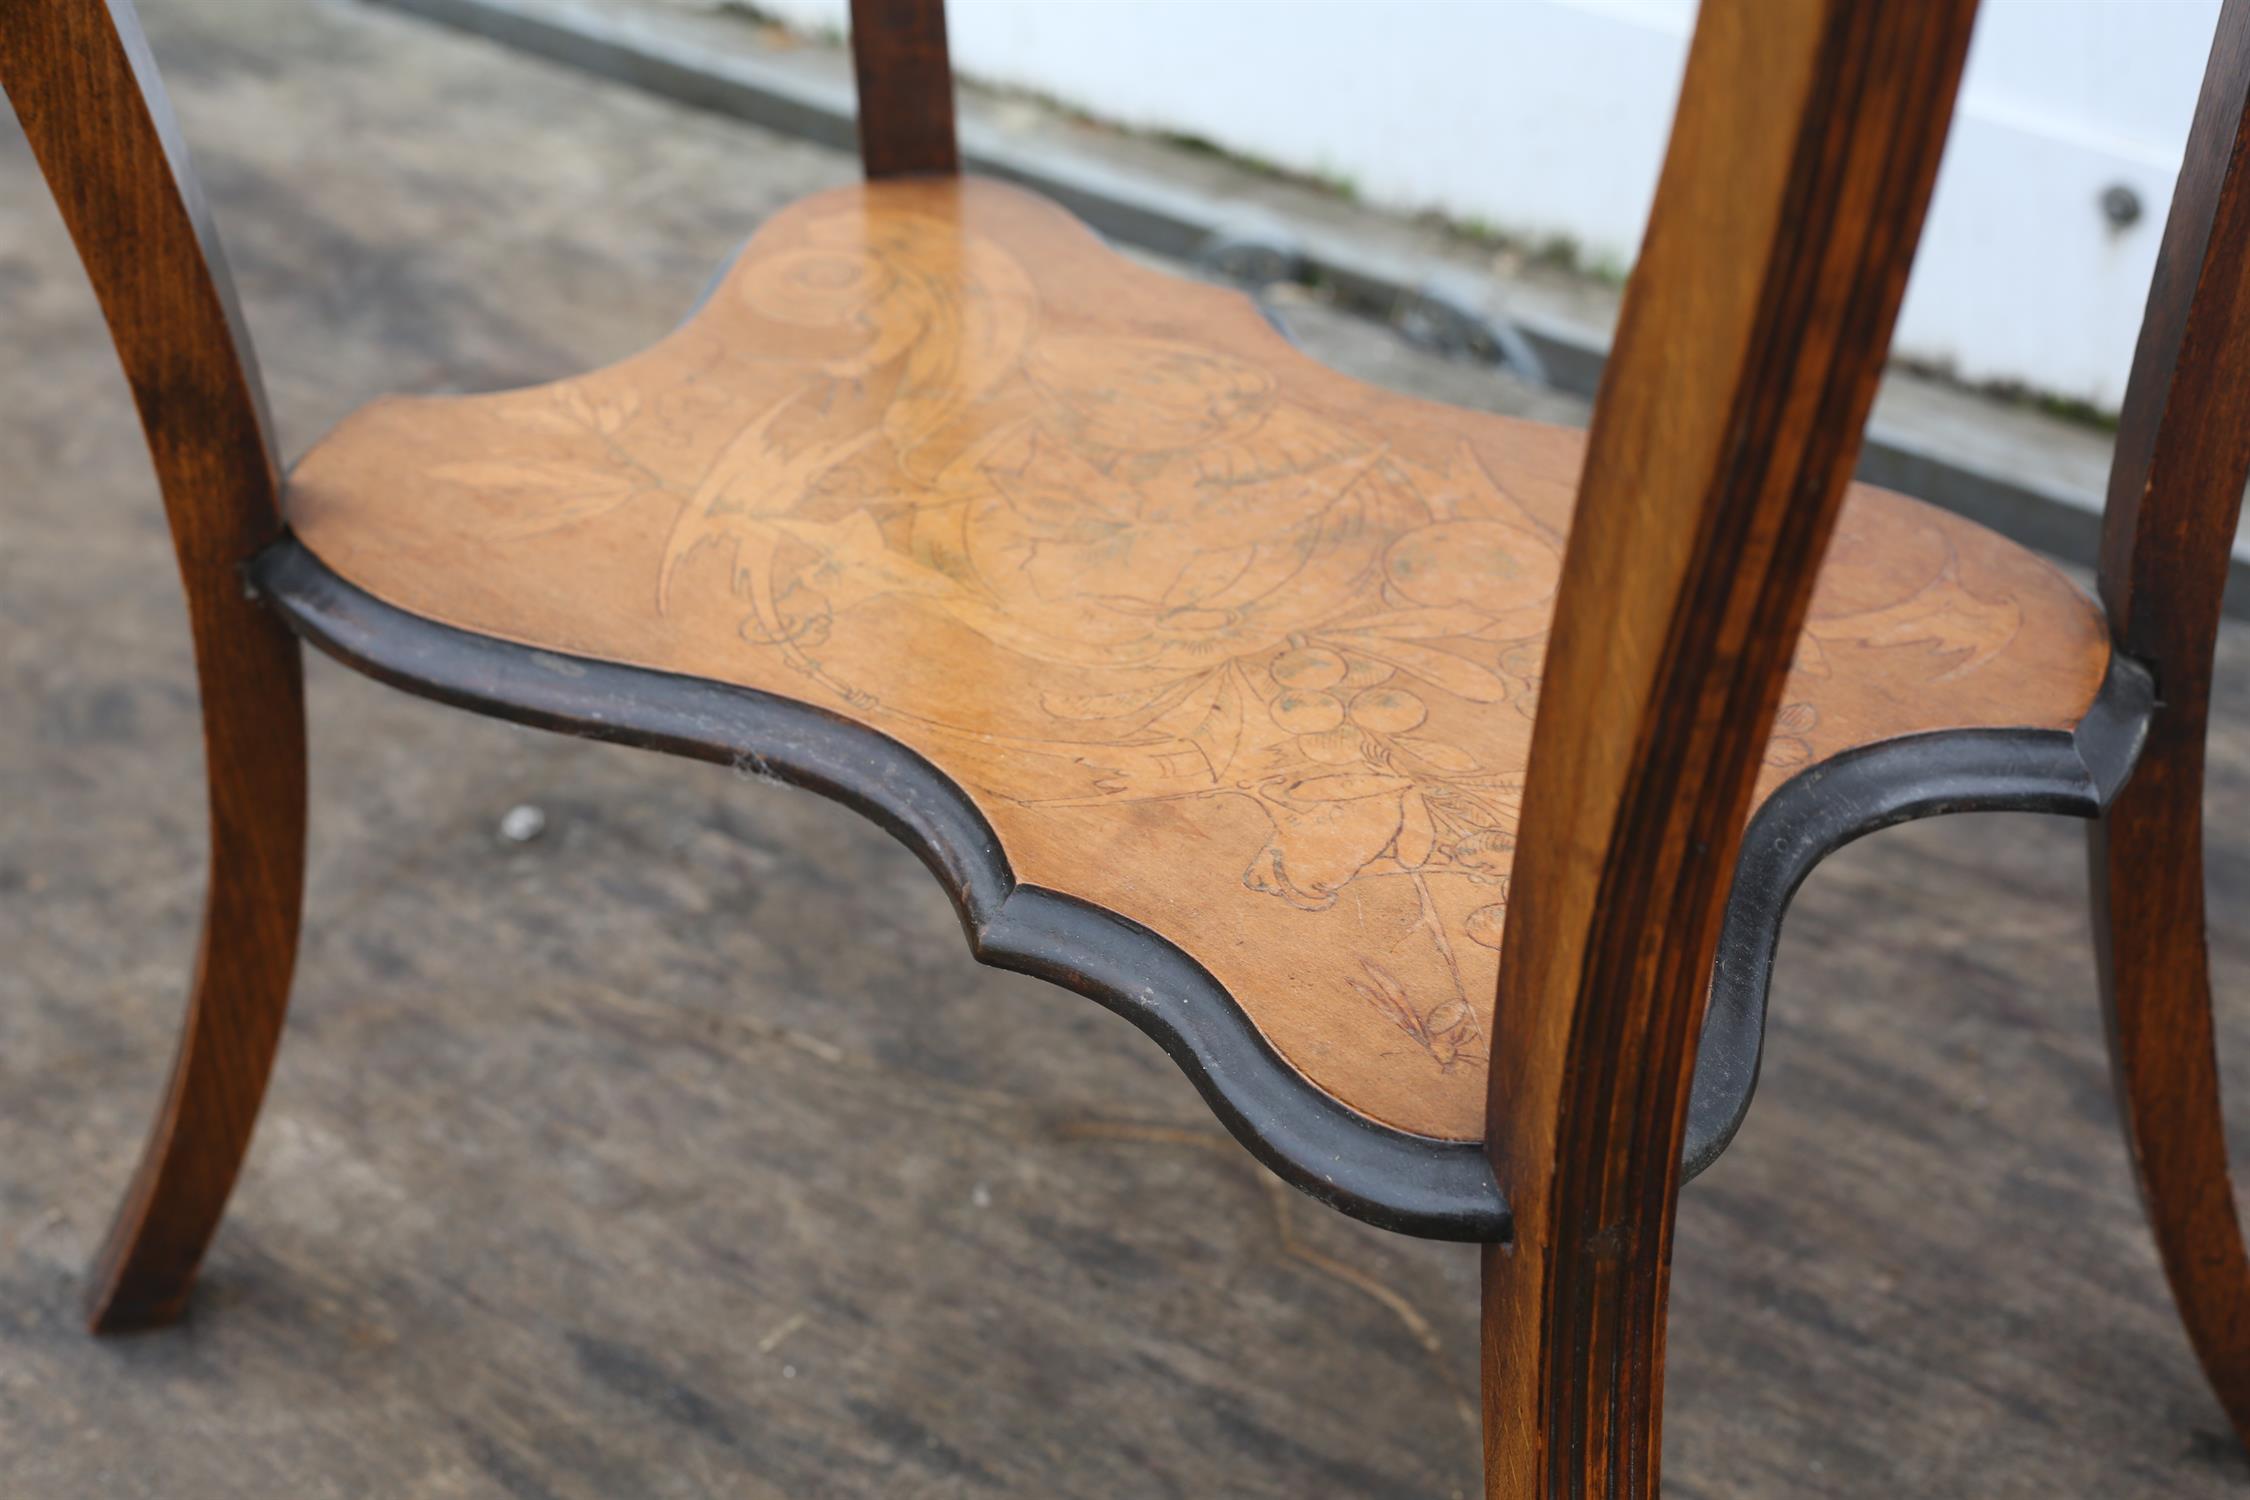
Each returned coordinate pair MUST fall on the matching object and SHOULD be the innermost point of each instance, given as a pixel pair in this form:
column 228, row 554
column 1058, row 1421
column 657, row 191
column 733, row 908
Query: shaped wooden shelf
column 1201, row 674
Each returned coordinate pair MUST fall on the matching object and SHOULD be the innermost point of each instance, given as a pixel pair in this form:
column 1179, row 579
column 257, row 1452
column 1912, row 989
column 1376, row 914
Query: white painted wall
column 1547, row 117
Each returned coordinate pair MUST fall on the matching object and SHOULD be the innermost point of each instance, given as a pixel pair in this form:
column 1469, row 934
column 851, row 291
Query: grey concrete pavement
column 681, row 1151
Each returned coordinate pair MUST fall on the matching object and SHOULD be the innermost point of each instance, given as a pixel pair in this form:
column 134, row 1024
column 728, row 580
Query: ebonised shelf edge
column 1860, row 792
column 1408, row 1183
column 1395, row 1180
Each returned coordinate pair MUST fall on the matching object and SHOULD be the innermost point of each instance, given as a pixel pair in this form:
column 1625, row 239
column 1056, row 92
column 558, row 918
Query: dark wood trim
column 1861, row 792
column 85, row 89
column 2175, row 497
column 1407, row 1183
column 905, row 80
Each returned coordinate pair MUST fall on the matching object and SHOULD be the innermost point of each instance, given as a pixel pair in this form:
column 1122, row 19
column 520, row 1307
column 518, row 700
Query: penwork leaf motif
column 1204, row 588
column 554, row 492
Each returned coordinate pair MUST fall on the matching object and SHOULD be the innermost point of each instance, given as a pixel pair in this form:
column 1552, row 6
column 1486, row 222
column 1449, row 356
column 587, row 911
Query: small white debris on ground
column 522, row 823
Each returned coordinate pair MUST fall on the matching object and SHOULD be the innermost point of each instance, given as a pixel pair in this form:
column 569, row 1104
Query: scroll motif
column 1220, row 592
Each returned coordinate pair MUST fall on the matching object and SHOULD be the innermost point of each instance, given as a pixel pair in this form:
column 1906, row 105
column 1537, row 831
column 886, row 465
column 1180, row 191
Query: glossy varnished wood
column 2183, row 456
column 80, row 79
column 1399, row 1181
column 1858, row 793
column 1729, row 418
column 1409, row 1183
column 905, row 81
column 566, row 1133
column 1213, row 637
column 1206, row 679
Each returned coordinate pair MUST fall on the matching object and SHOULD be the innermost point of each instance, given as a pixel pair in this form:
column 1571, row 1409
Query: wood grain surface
column 1217, row 638
column 1729, row 420
column 2175, row 497
column 85, row 89
column 905, row 82
column 682, row 1151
